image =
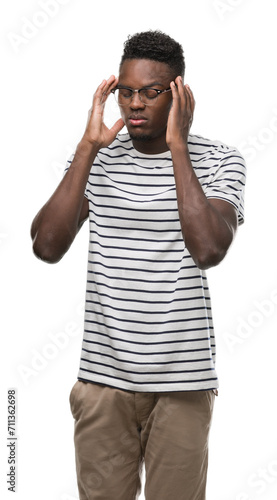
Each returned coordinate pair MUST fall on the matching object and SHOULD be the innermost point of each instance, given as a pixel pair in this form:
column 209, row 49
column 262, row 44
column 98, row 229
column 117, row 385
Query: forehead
column 138, row 73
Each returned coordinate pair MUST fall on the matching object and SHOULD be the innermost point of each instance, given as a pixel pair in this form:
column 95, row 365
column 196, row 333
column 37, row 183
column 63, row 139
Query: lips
column 137, row 120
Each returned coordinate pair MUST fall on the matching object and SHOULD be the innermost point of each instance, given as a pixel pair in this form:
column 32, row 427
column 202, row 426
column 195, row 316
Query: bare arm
column 59, row 220
column 57, row 223
column 208, row 225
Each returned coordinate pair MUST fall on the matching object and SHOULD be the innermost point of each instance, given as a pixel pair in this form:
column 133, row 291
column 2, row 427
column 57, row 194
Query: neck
column 150, row 146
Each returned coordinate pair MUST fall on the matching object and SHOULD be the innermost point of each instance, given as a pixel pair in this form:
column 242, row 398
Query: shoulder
column 217, row 151
column 200, row 143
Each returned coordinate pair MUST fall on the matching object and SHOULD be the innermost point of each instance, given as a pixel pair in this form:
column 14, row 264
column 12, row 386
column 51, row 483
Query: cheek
column 162, row 117
column 122, row 114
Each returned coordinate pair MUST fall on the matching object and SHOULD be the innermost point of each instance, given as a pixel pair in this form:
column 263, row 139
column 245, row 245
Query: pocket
column 72, row 396
column 210, row 399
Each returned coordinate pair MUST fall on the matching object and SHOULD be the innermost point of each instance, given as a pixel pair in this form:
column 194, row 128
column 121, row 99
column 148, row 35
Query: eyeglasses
column 147, row 96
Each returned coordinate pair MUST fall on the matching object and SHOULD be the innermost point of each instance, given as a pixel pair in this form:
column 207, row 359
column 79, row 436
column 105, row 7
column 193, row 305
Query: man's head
column 150, row 60
column 156, row 46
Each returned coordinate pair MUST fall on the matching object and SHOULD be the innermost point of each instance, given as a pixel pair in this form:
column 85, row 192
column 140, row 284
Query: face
column 146, row 124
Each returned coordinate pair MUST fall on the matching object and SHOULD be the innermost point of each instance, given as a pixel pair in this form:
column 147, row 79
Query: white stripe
column 148, row 324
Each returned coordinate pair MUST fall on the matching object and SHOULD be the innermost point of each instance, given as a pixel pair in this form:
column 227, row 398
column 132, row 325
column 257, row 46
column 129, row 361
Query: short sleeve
column 68, row 163
column 228, row 182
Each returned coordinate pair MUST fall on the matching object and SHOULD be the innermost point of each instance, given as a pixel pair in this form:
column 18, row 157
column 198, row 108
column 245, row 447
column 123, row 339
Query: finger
column 89, row 114
column 183, row 97
column 179, row 83
column 191, row 104
column 180, row 86
column 174, row 89
column 99, row 93
column 111, row 81
column 110, row 84
column 107, row 88
column 191, row 97
column 104, row 87
column 188, row 100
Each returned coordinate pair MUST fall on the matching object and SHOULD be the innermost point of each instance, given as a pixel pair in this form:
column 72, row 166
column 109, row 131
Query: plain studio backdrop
column 54, row 53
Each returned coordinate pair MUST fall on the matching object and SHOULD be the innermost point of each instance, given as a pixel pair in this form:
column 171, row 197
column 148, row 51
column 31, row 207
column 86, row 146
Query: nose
column 136, row 102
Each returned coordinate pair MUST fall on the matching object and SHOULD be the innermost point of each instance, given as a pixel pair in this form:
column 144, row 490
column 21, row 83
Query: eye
column 126, row 93
column 150, row 93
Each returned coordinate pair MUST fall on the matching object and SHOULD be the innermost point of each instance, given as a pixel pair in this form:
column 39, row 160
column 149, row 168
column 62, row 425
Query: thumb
column 119, row 124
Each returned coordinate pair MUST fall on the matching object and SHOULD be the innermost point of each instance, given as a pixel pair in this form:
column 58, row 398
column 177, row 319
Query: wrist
column 86, row 148
column 179, row 147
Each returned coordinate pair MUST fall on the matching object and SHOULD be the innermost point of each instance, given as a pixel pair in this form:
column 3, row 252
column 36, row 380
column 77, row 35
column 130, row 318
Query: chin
column 140, row 137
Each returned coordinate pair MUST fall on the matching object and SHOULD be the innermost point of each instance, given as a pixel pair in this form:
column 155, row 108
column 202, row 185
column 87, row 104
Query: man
column 164, row 206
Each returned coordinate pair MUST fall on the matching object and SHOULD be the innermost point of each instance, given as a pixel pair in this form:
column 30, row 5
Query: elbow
column 210, row 254
column 209, row 259
column 47, row 252
column 46, row 256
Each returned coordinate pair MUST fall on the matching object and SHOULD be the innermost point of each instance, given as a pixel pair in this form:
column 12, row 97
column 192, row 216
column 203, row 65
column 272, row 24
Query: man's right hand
column 97, row 133
column 57, row 223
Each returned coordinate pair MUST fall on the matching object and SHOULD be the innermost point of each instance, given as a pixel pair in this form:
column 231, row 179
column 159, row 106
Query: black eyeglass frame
column 138, row 91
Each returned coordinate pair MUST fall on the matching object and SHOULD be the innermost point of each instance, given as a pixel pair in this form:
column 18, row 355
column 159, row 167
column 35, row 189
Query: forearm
column 57, row 223
column 206, row 233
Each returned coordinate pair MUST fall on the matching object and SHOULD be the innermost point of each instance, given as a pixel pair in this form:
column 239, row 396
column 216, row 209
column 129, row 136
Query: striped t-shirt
column 148, row 320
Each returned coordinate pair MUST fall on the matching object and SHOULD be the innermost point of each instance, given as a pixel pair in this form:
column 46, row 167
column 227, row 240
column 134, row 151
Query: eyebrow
column 150, row 85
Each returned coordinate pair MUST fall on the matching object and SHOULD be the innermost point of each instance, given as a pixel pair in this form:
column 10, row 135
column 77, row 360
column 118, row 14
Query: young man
column 163, row 206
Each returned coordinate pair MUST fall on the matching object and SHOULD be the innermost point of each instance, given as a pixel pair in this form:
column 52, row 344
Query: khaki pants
column 116, row 431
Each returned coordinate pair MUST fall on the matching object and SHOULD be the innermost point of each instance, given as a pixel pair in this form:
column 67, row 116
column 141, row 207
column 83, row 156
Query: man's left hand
column 181, row 114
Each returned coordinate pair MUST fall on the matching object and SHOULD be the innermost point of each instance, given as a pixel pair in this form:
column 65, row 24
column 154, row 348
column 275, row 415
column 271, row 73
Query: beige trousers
column 117, row 431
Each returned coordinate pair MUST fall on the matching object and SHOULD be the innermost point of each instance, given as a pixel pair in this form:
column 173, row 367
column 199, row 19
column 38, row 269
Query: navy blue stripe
column 109, row 196
column 141, row 270
column 110, row 237
column 126, row 155
column 149, row 382
column 143, row 363
column 125, row 228
column 117, row 182
column 147, row 343
column 147, row 373
column 111, row 186
column 133, row 259
column 229, row 179
column 98, row 283
column 142, row 250
column 139, row 280
column 182, row 351
column 112, row 216
column 139, row 332
column 130, row 209
column 149, row 302
column 141, row 322
column 222, row 193
column 137, row 311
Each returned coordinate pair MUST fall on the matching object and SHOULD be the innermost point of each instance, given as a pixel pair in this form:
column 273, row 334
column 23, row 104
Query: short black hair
column 156, row 46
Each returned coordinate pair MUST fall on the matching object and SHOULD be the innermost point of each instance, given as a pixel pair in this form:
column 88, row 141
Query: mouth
column 137, row 120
